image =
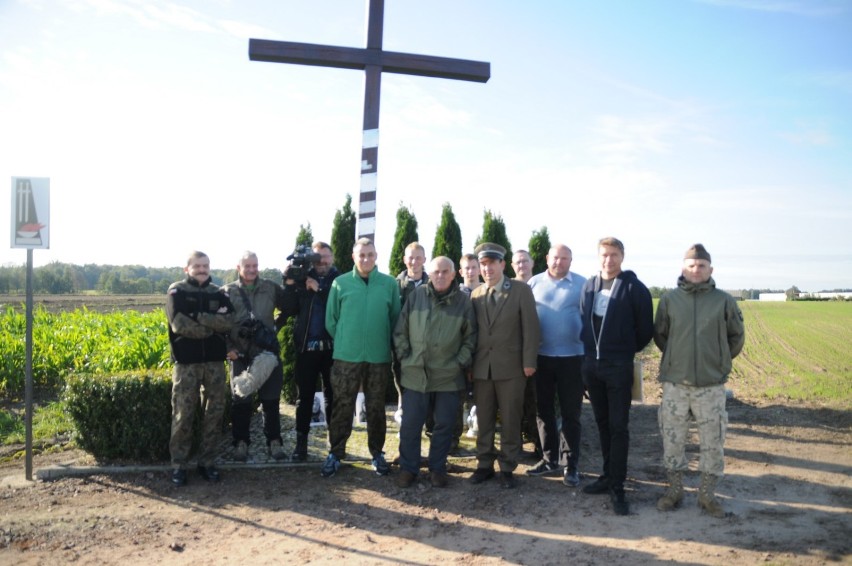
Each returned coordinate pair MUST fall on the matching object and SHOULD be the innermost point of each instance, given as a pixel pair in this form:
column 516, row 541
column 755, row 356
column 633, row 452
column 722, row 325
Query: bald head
column 559, row 261
column 442, row 271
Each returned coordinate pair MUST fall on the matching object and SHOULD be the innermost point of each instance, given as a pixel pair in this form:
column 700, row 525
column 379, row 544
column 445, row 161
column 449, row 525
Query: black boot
column 300, row 453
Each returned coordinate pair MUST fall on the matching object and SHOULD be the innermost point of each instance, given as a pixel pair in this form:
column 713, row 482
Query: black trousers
column 309, row 367
column 610, row 384
column 243, row 407
column 560, row 377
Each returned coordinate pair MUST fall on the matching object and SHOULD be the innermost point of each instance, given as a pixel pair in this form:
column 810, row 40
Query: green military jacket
column 700, row 330
column 435, row 338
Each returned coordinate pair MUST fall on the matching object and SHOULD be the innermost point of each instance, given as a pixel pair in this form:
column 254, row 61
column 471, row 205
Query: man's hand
column 529, row 372
column 232, row 355
column 312, row 284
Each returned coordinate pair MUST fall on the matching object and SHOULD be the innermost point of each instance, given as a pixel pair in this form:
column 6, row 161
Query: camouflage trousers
column 346, row 379
column 707, row 405
column 192, row 384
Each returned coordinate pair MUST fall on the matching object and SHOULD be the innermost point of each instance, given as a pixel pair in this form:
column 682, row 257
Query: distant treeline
column 65, row 278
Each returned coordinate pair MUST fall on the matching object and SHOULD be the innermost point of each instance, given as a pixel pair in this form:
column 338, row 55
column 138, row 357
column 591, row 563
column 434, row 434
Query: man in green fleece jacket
column 700, row 330
column 360, row 316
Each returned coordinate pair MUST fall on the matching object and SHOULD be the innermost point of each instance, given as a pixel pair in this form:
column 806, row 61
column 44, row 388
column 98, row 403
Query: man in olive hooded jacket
column 700, row 330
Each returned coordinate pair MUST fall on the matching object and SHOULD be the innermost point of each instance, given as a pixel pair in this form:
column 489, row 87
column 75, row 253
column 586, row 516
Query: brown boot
column 707, row 496
column 673, row 496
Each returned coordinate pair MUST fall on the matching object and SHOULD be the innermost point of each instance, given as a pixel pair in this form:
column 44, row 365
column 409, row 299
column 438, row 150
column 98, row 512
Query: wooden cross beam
column 373, row 60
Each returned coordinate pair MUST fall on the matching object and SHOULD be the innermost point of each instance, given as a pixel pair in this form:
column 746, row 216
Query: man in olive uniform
column 199, row 316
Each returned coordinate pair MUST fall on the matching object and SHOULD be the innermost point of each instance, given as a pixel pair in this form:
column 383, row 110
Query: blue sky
column 661, row 122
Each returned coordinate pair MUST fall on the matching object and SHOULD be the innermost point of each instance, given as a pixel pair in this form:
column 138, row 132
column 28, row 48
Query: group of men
column 557, row 335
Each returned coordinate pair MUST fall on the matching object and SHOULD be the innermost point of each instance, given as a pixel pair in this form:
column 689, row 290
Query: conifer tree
column 539, row 248
column 448, row 239
column 290, row 392
column 406, row 232
column 305, row 236
column 343, row 236
column 494, row 231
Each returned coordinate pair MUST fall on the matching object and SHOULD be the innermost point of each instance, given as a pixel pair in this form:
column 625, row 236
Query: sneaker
column 439, row 479
column 210, row 473
column 380, row 465
column 405, row 479
column 241, row 451
column 330, row 466
column 619, row 503
column 571, row 478
column 481, row 475
column 276, row 450
column 179, row 477
column 598, row 487
column 543, row 468
column 507, row 480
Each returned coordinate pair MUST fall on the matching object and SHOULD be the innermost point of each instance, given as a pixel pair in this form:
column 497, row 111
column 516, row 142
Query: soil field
column 100, row 303
column 788, row 490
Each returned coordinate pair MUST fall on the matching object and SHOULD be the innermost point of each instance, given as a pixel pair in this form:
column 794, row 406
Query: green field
column 797, row 351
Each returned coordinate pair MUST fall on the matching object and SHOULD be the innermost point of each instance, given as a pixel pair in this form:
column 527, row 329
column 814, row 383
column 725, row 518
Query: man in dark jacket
column 314, row 346
column 700, row 330
column 434, row 338
column 618, row 322
column 199, row 315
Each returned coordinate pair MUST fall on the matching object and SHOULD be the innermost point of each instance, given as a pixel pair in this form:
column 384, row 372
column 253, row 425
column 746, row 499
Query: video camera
column 301, row 261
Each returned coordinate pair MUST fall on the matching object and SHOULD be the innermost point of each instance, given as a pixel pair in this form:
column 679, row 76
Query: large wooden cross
column 374, row 61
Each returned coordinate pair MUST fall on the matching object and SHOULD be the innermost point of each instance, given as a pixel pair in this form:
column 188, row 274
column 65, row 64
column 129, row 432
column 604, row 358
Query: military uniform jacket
column 199, row 315
column 509, row 340
column 700, row 330
column 265, row 296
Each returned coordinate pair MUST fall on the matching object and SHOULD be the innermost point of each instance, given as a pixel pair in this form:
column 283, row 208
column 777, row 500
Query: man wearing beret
column 700, row 330
column 506, row 356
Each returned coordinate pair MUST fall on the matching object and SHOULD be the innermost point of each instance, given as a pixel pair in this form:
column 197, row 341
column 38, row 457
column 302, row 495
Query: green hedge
column 125, row 416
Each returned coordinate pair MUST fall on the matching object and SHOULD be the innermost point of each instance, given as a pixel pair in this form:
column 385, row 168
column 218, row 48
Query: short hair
column 321, row 245
column 469, row 258
column 416, row 246
column 610, row 241
column 443, row 258
column 558, row 245
column 363, row 242
column 195, row 254
column 248, row 254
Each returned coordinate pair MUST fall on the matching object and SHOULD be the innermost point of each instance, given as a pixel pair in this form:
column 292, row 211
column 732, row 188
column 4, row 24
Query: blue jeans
column 416, row 406
column 610, row 384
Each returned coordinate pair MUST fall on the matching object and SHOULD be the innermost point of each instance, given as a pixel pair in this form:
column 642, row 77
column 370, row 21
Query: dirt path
column 788, row 488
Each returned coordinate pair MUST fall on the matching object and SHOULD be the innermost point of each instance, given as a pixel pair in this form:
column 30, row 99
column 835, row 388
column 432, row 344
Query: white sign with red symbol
column 31, row 212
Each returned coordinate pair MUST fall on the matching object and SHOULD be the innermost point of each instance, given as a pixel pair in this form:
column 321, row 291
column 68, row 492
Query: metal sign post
column 30, row 230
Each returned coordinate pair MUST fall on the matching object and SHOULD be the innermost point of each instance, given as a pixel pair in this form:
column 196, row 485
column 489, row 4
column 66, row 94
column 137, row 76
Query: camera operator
column 252, row 295
column 306, row 290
